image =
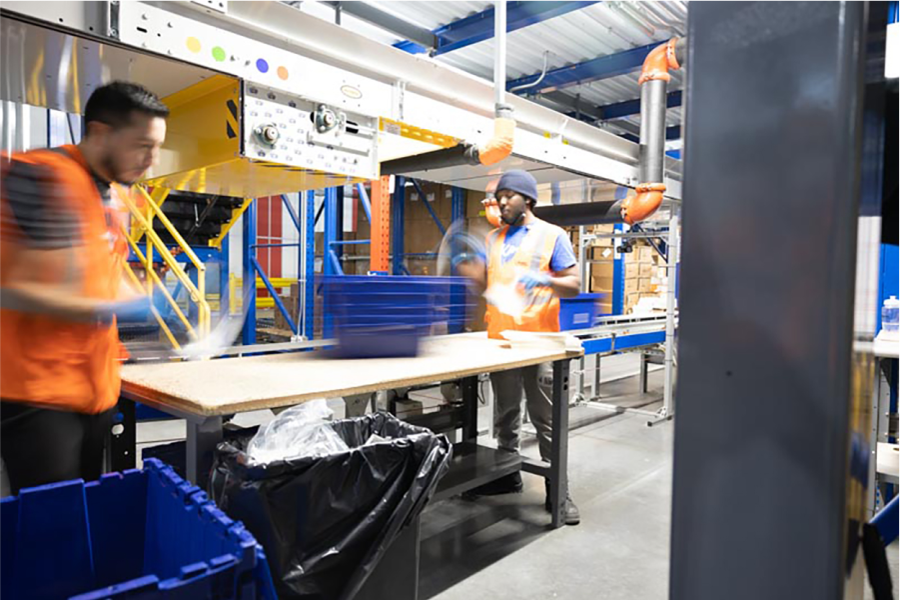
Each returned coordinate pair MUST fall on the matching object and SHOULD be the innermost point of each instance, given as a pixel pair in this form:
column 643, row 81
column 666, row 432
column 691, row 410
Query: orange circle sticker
column 282, row 73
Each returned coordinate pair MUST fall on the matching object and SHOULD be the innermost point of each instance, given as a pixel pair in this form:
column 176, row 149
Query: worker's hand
column 466, row 257
column 534, row 279
column 136, row 309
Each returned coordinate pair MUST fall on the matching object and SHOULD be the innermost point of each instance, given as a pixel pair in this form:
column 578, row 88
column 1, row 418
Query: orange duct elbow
column 659, row 62
column 500, row 146
column 646, row 202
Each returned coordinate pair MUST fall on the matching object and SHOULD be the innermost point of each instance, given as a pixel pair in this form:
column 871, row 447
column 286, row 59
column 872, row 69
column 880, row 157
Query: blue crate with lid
column 137, row 534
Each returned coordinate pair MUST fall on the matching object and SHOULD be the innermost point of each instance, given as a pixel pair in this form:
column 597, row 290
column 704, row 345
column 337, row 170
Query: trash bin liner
column 326, row 521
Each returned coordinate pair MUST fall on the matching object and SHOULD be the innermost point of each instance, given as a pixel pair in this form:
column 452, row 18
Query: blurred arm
column 476, row 271
column 566, row 283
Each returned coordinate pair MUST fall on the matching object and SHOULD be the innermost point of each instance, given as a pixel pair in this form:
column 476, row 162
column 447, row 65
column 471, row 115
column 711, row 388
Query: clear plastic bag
column 298, row 432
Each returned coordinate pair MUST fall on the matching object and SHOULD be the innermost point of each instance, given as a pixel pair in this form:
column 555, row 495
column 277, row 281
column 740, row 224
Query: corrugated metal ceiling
column 598, row 30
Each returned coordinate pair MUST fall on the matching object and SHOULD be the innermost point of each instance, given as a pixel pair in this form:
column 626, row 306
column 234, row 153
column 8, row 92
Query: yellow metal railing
column 236, row 302
column 142, row 225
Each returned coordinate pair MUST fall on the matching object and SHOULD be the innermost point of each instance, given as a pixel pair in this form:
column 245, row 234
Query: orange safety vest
column 533, row 254
column 51, row 362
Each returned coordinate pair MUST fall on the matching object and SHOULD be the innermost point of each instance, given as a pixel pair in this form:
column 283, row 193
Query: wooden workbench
column 203, row 391
column 219, row 387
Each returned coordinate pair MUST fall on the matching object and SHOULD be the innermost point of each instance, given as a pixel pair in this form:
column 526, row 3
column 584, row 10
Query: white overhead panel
column 52, row 69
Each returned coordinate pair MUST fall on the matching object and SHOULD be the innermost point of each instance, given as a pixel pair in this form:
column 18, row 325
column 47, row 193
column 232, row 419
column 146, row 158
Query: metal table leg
column 121, row 449
column 559, row 445
column 469, row 389
column 644, row 370
column 202, row 439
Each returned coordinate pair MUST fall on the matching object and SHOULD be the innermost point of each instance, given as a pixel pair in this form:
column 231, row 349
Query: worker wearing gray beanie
column 534, row 260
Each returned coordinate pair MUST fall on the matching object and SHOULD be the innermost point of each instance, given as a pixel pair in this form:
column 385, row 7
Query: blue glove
column 533, row 279
column 465, row 257
column 134, row 310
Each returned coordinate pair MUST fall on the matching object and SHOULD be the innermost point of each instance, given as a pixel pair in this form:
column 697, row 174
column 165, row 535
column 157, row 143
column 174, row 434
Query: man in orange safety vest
column 529, row 266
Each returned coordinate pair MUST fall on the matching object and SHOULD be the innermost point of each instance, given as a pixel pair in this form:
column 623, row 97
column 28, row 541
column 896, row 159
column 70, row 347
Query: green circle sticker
column 218, row 53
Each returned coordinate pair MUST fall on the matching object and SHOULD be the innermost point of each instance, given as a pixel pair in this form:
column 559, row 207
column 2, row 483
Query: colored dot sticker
column 193, row 44
column 218, row 53
column 262, row 66
column 282, row 73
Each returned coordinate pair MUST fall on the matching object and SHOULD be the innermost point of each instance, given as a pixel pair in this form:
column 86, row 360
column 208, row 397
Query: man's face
column 129, row 151
column 512, row 206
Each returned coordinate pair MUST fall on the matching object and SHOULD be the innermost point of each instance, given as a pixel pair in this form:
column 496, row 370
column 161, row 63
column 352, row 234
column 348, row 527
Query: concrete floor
column 501, row 547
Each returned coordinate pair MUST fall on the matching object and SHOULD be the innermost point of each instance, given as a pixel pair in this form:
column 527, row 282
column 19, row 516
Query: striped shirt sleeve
column 37, row 208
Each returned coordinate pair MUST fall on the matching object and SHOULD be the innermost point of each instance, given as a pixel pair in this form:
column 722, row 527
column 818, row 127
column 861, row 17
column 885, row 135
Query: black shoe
column 572, row 516
column 508, row 484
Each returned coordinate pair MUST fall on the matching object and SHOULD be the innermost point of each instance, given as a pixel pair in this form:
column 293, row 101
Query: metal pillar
column 765, row 502
column 398, row 205
column 458, row 295
column 457, row 206
column 330, row 266
column 248, row 336
column 618, row 291
column 380, row 248
column 224, row 270
column 668, row 408
column 308, row 262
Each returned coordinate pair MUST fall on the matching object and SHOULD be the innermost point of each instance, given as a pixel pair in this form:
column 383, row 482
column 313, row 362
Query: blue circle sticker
column 262, row 65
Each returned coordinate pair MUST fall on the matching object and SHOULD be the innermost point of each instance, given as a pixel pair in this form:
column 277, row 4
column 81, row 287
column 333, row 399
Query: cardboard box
column 600, row 253
column 631, row 286
column 646, row 270
column 645, row 284
column 645, row 253
column 632, row 270
column 603, row 269
column 601, row 284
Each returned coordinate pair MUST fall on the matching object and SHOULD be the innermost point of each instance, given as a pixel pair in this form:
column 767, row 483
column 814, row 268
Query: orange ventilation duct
column 653, row 80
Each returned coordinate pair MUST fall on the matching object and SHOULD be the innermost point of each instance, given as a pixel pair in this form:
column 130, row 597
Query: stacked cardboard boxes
column 644, row 271
column 602, row 254
column 643, row 276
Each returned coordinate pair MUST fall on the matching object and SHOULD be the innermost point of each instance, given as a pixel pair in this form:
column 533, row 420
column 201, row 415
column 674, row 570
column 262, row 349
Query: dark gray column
column 762, row 436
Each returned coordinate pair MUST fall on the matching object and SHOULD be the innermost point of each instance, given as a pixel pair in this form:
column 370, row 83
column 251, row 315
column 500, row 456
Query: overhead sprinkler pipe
column 654, row 78
column 501, row 144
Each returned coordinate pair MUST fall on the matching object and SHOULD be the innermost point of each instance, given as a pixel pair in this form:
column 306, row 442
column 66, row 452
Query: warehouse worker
column 533, row 261
column 61, row 261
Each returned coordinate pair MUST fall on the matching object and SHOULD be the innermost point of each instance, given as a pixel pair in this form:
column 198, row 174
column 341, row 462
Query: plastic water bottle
column 890, row 314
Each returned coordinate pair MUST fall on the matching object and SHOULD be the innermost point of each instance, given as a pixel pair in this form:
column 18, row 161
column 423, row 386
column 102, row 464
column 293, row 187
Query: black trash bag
column 325, row 522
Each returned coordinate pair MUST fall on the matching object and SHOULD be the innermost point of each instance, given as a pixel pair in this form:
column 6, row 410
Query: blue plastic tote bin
column 137, row 534
column 580, row 312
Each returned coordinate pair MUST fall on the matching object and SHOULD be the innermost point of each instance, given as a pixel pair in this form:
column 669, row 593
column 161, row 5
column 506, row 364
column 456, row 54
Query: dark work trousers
column 537, row 383
column 41, row 445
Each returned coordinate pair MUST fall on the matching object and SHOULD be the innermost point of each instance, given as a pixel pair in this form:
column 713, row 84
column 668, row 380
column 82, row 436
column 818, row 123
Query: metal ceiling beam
column 672, row 133
column 480, row 26
column 595, row 69
column 633, row 107
column 577, row 109
column 368, row 13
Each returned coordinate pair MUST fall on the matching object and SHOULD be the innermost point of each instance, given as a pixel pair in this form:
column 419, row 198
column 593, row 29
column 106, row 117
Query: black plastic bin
column 326, row 522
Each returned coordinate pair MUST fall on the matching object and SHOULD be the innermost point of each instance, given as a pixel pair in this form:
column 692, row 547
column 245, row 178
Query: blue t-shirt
column 563, row 254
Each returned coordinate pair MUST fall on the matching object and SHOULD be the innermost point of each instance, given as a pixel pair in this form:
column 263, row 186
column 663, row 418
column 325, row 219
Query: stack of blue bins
column 375, row 316
column 138, row 534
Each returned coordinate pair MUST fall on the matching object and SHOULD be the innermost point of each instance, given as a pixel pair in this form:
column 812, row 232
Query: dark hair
column 114, row 103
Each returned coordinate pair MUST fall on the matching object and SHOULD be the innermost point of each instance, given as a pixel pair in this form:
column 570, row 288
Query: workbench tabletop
column 232, row 385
